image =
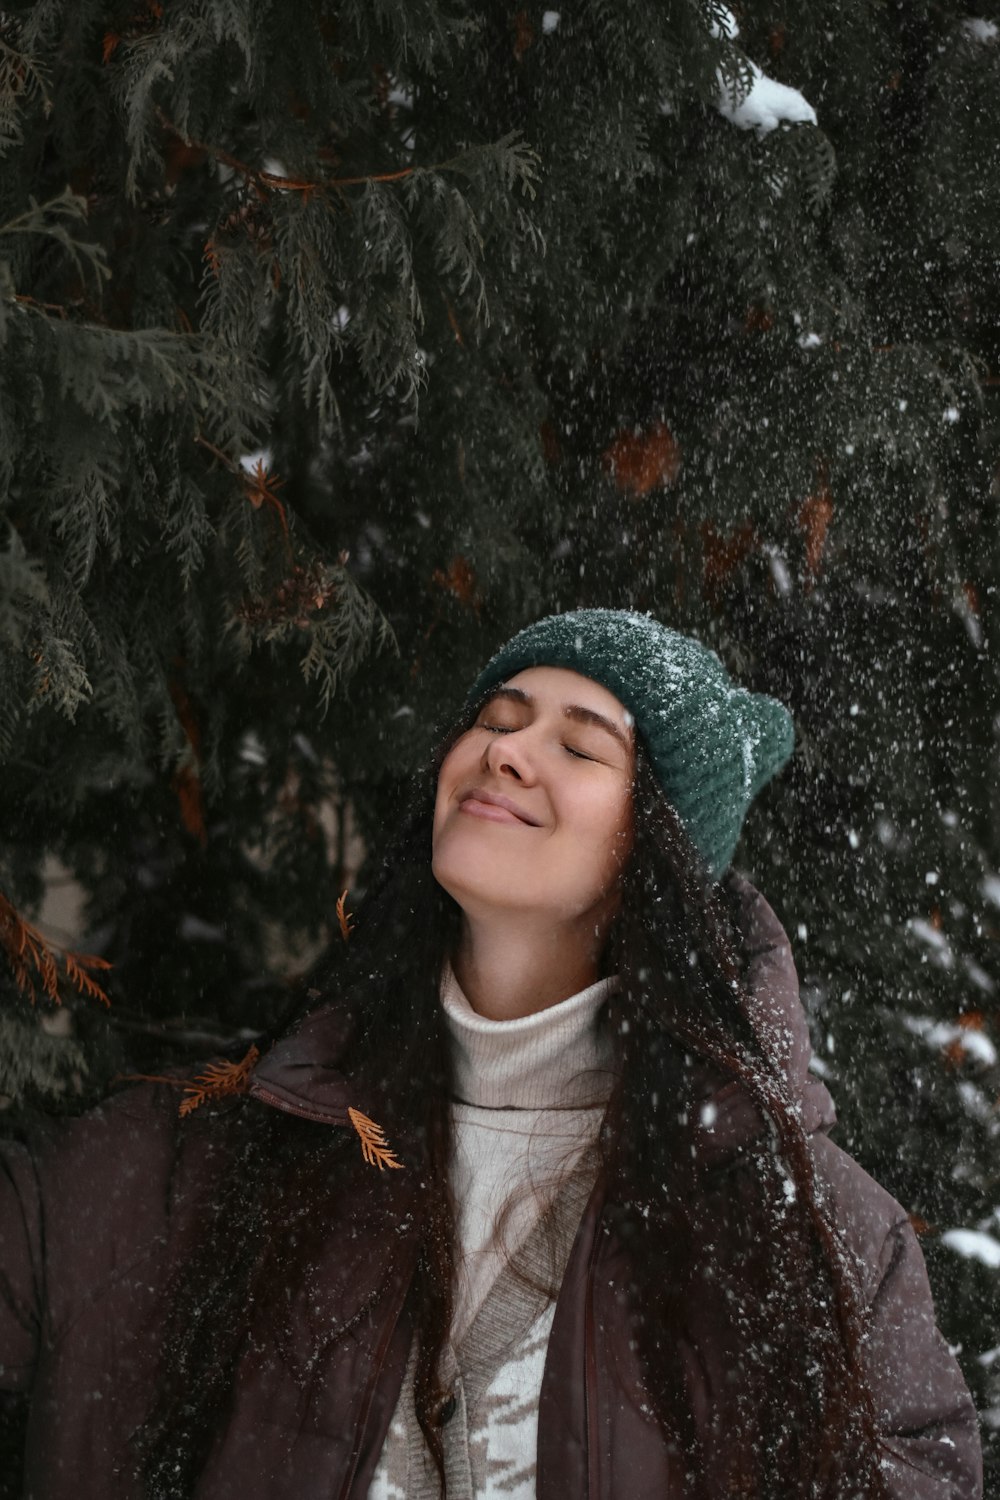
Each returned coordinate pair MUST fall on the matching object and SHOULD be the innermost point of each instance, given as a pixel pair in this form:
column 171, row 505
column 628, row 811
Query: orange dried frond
column 524, row 34
column 77, row 965
column 459, row 579
column 139, row 25
column 181, row 700
column 186, row 784
column 295, row 599
column 758, row 320
column 640, row 461
column 261, row 483
column 374, row 1147
column 178, row 158
column 815, row 515
column 723, row 553
column 454, row 323
column 35, row 951
column 219, row 1080
column 551, row 446
column 383, row 84
column 186, row 780
column 953, row 1054
column 35, row 961
column 344, row 917
column 262, row 488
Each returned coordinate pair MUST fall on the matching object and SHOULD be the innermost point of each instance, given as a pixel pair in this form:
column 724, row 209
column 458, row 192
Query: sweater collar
column 557, row 1058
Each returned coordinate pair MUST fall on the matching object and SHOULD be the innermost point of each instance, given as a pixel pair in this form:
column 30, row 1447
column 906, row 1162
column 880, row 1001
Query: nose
column 509, row 755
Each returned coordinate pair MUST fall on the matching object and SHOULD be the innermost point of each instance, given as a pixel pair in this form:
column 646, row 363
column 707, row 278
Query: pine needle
column 374, row 1147
column 344, row 917
column 219, row 1080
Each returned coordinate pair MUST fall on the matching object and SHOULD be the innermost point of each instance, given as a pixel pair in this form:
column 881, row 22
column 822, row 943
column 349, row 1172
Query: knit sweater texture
column 528, row 1101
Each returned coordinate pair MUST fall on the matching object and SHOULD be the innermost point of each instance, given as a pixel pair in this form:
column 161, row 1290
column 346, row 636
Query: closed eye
column 511, row 729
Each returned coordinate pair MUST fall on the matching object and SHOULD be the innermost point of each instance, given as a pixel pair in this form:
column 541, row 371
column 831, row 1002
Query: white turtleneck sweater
column 528, row 1102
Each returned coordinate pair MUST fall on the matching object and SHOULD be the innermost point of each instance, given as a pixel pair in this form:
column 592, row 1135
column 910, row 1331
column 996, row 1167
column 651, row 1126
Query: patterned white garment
column 503, row 1449
column 490, row 1433
column 530, row 1097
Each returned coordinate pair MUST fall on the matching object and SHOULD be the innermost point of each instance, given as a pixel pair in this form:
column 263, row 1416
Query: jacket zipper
column 590, row 1378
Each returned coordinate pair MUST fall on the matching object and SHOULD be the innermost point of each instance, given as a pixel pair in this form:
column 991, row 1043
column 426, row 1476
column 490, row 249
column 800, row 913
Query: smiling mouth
column 494, row 808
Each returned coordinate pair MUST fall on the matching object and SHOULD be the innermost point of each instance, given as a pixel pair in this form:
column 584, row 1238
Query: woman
column 611, row 1250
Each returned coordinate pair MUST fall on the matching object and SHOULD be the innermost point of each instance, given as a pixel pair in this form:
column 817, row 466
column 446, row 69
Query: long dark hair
column 804, row 1420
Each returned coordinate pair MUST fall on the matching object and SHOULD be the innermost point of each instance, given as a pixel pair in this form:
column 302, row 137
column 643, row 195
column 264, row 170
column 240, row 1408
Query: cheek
column 613, row 835
column 440, row 811
column 624, row 825
column 456, row 767
column 603, row 832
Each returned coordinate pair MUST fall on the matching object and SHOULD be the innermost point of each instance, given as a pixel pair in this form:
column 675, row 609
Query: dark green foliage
column 513, row 319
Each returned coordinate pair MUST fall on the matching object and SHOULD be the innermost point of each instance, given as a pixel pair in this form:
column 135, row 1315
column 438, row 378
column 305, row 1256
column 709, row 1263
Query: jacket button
column 447, row 1411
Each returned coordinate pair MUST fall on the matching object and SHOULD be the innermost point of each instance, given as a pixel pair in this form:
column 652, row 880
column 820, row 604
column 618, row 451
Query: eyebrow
column 574, row 711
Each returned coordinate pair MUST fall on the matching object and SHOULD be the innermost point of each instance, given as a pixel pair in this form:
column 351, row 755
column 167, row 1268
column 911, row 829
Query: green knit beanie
column 713, row 744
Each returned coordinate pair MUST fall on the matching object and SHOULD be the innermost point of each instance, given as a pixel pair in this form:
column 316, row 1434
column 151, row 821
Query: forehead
column 558, row 687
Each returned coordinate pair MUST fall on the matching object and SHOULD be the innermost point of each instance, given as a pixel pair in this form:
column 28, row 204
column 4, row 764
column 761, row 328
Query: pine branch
column 22, row 586
column 35, row 961
column 517, row 162
column 260, row 178
column 51, row 219
column 21, row 78
column 219, row 1081
column 33, row 1059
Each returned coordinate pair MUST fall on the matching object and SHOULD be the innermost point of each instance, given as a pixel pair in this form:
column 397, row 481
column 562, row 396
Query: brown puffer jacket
column 94, row 1214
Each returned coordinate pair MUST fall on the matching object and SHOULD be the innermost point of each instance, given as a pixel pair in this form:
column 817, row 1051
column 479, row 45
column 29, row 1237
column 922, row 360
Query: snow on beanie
column 713, row 744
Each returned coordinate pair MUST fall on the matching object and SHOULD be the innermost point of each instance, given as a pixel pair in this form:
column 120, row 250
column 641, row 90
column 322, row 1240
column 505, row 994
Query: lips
column 494, row 806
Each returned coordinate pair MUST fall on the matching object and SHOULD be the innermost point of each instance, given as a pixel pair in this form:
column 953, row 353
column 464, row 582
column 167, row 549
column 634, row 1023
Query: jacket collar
column 301, row 1073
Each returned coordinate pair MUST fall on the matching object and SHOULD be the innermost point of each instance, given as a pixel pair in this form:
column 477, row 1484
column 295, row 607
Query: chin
column 506, row 895
column 478, row 896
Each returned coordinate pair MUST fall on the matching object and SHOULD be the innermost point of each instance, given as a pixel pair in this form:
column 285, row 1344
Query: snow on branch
column 767, row 103
column 974, row 1245
column 980, row 30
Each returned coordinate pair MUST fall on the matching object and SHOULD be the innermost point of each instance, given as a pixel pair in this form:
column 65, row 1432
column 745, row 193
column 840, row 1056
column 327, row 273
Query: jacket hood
column 302, row 1072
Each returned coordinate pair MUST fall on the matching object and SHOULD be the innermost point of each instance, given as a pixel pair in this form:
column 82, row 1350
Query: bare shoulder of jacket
column 926, row 1416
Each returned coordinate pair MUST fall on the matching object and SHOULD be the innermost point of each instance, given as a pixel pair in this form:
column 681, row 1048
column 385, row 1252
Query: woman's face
column 533, row 810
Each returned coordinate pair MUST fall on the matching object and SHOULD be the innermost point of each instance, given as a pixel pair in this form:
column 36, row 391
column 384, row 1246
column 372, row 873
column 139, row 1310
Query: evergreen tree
column 340, row 339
